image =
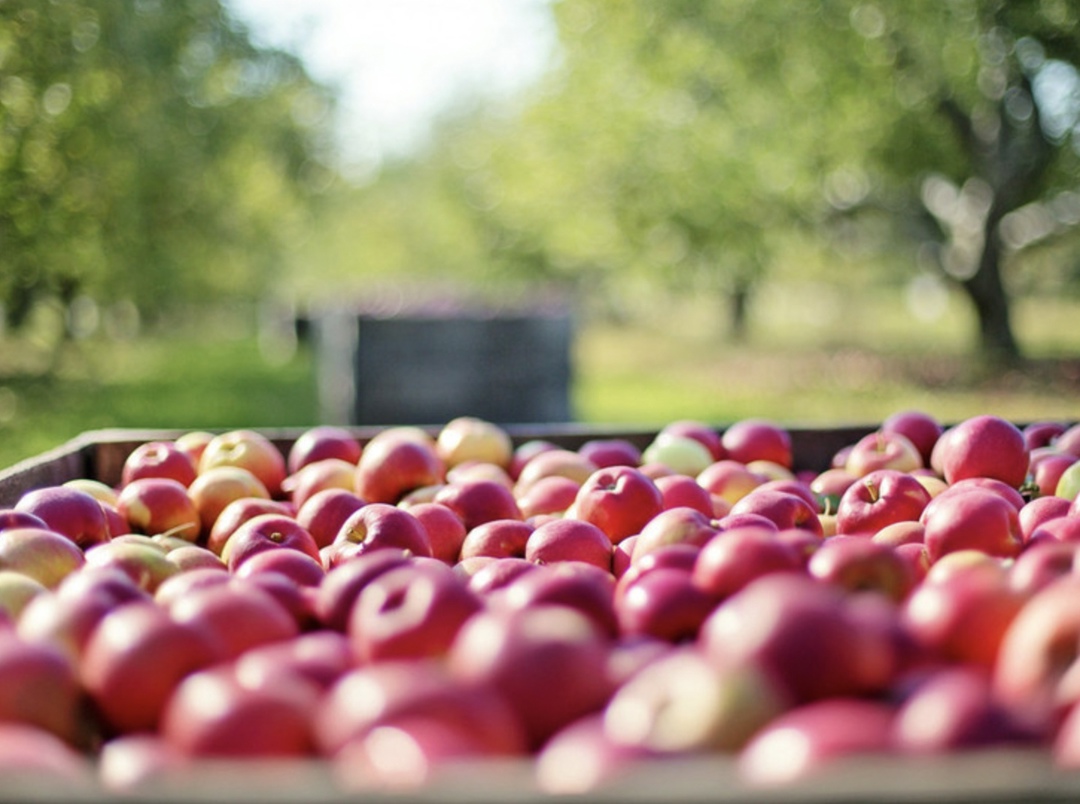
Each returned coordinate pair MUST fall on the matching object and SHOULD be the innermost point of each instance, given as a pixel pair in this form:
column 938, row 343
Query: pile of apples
column 430, row 598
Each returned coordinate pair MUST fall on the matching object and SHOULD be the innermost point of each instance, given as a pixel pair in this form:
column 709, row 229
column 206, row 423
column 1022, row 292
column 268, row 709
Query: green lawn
column 831, row 373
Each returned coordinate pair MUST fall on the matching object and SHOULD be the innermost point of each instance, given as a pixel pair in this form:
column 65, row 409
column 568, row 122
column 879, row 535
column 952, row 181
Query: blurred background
column 272, row 213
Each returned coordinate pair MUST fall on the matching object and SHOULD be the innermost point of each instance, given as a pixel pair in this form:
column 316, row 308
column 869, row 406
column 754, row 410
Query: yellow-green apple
column 237, row 616
column 377, row 526
column 39, row 686
column 445, row 529
column 679, row 453
column 971, row 519
column 729, row 479
column 684, row 491
column 67, row 510
column 248, row 449
column 478, row 501
column 883, row 449
column 753, row 439
column 826, row 732
column 547, row 662
column 470, row 438
column 784, row 509
column 135, row 658
column 738, row 555
column 144, row 560
column 343, row 583
column 321, row 442
column 218, row 486
column 159, row 459
column 921, row 428
column 43, row 554
column 193, row 442
column 557, row 461
column 582, row 587
column 211, row 714
column 708, row 435
column 878, row 499
column 611, row 452
column 548, row 495
column 682, row 704
column 681, row 525
column 239, row 511
column 410, row 611
column 323, row 514
column 569, row 540
column 313, row 477
column 16, row 592
column 395, row 463
column 619, row 500
column 1068, row 485
column 267, row 532
column 983, row 446
column 153, row 505
column 1046, row 468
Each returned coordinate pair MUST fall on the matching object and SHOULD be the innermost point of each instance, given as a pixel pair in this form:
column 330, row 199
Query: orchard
column 394, row 609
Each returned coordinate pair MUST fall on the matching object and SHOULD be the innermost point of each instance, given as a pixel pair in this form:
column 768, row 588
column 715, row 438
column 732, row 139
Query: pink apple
column 919, row 427
column 1042, row 433
column 479, row 501
column 267, row 532
column 684, row 491
column 1047, row 469
column 619, row 500
column 785, row 510
column 39, row 686
column 154, row 505
column 343, row 583
column 553, row 494
column 983, row 446
column 10, row 518
column 249, row 450
column 497, row 538
column 239, row 511
column 1042, row 563
column 159, row 459
column 582, row 759
column 883, row 449
column 321, row 442
column 44, row 555
column 319, row 657
column 859, row 564
column 495, row 573
column 1039, row 510
column 445, row 529
column 582, row 587
column 605, row 452
column 569, row 540
column 880, row 498
column 69, row 511
column 300, row 567
column 674, row 526
column 215, row 488
column 410, row 611
column 526, row 451
column 972, row 519
column 830, row 485
column 1068, row 440
column 900, row 533
column 193, row 442
column 737, row 556
column 750, row 440
column 395, row 464
column 193, row 556
column 237, row 616
column 665, row 604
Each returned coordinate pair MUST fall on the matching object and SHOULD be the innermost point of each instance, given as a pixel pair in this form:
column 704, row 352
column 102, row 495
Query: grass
column 816, row 369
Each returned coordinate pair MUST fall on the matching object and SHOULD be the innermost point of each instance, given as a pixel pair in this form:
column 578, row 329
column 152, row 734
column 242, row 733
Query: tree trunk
column 738, row 304
column 997, row 342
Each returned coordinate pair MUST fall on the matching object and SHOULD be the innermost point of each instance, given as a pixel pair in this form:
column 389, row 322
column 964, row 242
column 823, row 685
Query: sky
column 399, row 62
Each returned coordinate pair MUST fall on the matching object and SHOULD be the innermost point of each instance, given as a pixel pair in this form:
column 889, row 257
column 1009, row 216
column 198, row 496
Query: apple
column 100, row 491
column 619, row 500
column 548, row 663
column 42, row 554
column 1041, row 563
column 37, row 762
column 193, row 556
column 135, row 658
column 678, row 490
column 494, row 573
column 605, row 452
column 680, row 704
column 378, row 526
column 144, row 560
column 395, row 463
column 129, row 764
column 470, row 438
column 318, row 657
column 193, row 442
column 829, row 486
column 1068, row 440
column 74, row 513
column 582, row 759
column 526, row 451
column 883, row 449
column 249, row 450
column 983, row 446
column 159, row 459
column 236, row 615
column 154, row 505
column 681, row 454
column 343, row 583
column 321, row 442
column 824, row 731
column 784, row 509
column 410, row 611
column 900, row 533
column 478, row 470
column 859, row 564
column 737, row 556
column 212, row 714
column 1068, row 485
column 445, row 529
column 1047, row 468
column 478, row 501
column 267, row 532
column 921, row 428
column 323, row 514
column 1062, row 529
column 10, row 518
column 681, row 525
column 708, row 435
column 880, row 498
column 1042, row 433
column 328, row 473
column 971, row 519
column 585, row 588
column 1039, row 510
column 569, row 540
column 300, row 567
column 239, row 511
column 559, row 461
column 753, row 439
column 665, row 604
column 553, row 494
column 39, row 686
column 218, row 486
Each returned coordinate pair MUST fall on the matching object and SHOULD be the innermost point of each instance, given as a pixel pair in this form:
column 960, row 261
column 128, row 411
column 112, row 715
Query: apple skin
column 497, row 538
column 553, row 494
column 158, row 459
column 321, row 442
column 144, row 560
column 130, row 764
column 604, row 452
column 495, row 574
column 329, row 473
column 39, row 686
column 1042, row 563
column 665, row 604
column 43, row 762
column 154, row 505
column 730, row 480
column 409, row 612
column 859, row 564
column 983, row 446
column 753, row 439
column 681, row 454
column 237, row 616
column 324, row 512
column 470, row 438
column 267, row 532
column 299, row 567
column 971, row 519
column 43, row 554
column 525, row 452
column 1039, row 510
column 920, row 427
column 684, row 491
column 1042, row 433
column 479, row 501
column 343, row 583
column 193, row 442
column 212, row 714
column 445, row 529
column 395, row 464
column 548, row 662
column 74, row 513
column 826, row 731
column 680, row 525
column 1062, row 529
column 582, row 587
column 249, row 450
column 10, row 518
column 215, row 488
column 377, row 526
column 582, row 759
column 705, row 433
column 619, row 500
column 880, row 498
column 569, row 540
column 785, row 510
column 559, row 461
column 1047, row 469
column 135, row 658
column 1068, row 440
column 739, row 555
column 883, row 449
column 318, row 657
column 236, row 513
column 830, row 485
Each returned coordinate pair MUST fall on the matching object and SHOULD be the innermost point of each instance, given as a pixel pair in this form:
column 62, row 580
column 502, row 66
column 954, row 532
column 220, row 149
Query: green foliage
column 150, row 154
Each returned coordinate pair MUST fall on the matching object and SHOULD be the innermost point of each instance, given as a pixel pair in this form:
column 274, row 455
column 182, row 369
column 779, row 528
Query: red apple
column 619, row 500
column 784, row 509
column 569, row 540
column 883, row 449
column 237, row 616
column 267, row 532
column 526, row 451
column 193, row 443
column 859, row 564
column 983, row 446
column 582, row 587
column 159, row 459
column 299, row 567
column 758, row 440
column 1047, row 470
column 496, row 573
column 737, row 556
column 1068, row 440
column 674, row 526
column 445, row 529
column 582, row 759
column 249, row 450
column 1042, row 433
column 729, row 479
column 69, row 511
column 920, row 427
column 972, row 519
column 478, row 501
column 43, row 763
column 380, row 525
column 239, row 511
column 548, row 462
column 318, row 657
column 1039, row 510
column 605, row 452
column 395, row 464
column 665, row 604
column 39, row 687
column 329, row 473
column 154, row 505
column 322, row 442
column 343, row 583
column 323, row 514
column 1042, row 563
column 684, row 491
column 880, row 498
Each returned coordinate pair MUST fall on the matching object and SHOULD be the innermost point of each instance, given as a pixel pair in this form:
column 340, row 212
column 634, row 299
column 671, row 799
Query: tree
column 149, row 152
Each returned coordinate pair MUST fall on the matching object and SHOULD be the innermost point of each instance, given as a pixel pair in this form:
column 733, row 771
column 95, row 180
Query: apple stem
column 871, row 487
